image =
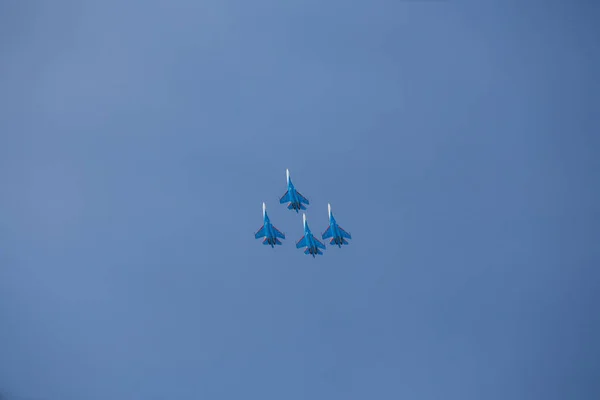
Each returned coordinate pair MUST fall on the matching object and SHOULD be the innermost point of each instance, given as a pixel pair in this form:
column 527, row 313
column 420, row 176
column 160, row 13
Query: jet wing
column 327, row 233
column 319, row 244
column 302, row 198
column 278, row 232
column 302, row 242
column 344, row 233
column 285, row 198
column 260, row 233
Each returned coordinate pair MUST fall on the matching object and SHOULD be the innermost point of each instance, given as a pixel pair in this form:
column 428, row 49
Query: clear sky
column 457, row 141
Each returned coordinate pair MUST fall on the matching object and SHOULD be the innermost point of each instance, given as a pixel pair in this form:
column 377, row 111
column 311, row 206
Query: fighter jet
column 268, row 231
column 292, row 196
column 335, row 231
column 311, row 243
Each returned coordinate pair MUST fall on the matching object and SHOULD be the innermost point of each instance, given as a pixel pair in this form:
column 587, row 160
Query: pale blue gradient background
column 457, row 141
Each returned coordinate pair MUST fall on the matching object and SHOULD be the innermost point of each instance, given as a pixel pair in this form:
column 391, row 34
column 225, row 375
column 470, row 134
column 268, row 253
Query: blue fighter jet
column 268, row 231
column 292, row 196
column 311, row 243
column 335, row 232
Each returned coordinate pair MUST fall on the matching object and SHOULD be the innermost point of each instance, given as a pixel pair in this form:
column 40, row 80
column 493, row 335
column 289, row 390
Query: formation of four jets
column 312, row 245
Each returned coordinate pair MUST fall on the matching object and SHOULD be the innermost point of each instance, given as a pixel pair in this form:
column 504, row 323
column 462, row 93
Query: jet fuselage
column 294, row 199
column 312, row 244
column 334, row 231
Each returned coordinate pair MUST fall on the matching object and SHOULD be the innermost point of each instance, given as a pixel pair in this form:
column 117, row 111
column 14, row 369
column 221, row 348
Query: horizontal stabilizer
column 260, row 233
column 317, row 251
column 266, row 241
column 277, row 241
column 344, row 241
column 292, row 206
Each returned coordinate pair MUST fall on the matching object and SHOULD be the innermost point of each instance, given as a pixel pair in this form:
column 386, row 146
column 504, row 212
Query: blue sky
column 456, row 141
